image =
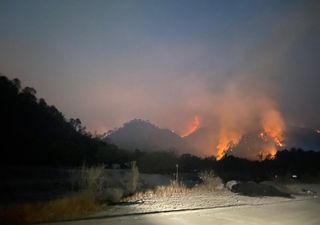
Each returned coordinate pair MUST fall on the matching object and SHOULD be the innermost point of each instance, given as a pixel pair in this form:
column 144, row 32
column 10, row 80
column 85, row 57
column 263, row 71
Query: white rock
column 231, row 183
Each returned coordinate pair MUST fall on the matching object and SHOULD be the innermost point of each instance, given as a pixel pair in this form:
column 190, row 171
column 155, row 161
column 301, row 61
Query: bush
column 88, row 179
column 174, row 189
column 211, row 182
column 111, row 195
column 134, row 179
column 69, row 207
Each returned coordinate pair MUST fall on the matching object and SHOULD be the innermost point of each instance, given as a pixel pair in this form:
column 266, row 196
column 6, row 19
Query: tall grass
column 68, row 207
column 211, row 183
column 134, row 179
column 89, row 179
column 174, row 189
column 89, row 182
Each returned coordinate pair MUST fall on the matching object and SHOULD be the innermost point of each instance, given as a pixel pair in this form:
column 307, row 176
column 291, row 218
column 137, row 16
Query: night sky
column 166, row 61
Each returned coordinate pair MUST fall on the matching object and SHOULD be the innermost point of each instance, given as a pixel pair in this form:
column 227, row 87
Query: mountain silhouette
column 145, row 136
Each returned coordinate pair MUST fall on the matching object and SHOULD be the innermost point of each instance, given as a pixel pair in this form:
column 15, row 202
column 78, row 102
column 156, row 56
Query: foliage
column 89, row 178
column 211, row 181
column 35, row 133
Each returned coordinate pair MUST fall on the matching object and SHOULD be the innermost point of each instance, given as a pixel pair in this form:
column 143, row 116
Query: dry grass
column 88, row 178
column 91, row 192
column 131, row 186
column 171, row 190
column 211, row 183
column 89, row 184
column 69, row 207
column 174, row 189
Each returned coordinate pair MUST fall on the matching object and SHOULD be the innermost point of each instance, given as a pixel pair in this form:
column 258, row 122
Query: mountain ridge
column 144, row 135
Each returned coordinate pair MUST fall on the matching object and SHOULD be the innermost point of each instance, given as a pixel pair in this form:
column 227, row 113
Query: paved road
column 294, row 212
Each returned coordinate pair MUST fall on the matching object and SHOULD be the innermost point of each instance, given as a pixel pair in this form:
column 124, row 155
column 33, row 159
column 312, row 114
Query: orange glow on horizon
column 192, row 127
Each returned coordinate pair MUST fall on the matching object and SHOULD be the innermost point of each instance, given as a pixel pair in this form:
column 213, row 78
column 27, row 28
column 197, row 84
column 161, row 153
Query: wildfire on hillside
column 192, row 127
column 226, row 141
column 269, row 138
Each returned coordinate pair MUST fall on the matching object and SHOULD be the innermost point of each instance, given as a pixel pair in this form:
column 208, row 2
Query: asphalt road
column 293, row 212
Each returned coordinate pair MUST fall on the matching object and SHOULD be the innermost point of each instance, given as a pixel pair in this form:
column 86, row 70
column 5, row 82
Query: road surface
column 294, row 212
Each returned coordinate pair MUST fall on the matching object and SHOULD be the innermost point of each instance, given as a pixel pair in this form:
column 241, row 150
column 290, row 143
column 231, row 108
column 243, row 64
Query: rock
column 253, row 189
column 230, row 184
column 307, row 191
column 278, row 186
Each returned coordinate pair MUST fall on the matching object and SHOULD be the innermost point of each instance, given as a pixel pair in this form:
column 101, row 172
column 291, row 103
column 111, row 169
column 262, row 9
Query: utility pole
column 177, row 173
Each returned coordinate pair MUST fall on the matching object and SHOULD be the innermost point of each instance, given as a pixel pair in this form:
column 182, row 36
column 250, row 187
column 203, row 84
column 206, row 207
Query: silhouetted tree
column 34, row 133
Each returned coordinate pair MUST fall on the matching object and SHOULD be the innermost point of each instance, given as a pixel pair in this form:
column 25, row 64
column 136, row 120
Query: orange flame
column 272, row 136
column 272, row 152
column 268, row 152
column 262, row 136
column 227, row 139
column 273, row 126
column 192, row 127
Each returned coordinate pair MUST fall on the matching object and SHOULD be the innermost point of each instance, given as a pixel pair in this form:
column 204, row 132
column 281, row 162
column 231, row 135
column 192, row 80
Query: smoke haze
column 238, row 66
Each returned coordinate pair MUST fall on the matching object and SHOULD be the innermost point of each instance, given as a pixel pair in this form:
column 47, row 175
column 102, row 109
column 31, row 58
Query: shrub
column 88, row 179
column 88, row 182
column 211, row 182
column 111, row 195
column 69, row 207
column 174, row 189
column 134, row 179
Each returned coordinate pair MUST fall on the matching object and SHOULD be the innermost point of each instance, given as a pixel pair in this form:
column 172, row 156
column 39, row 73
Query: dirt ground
column 222, row 207
column 303, row 212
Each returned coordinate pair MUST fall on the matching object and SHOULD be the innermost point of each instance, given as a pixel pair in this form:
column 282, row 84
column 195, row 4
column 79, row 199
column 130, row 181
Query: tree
column 33, row 132
column 77, row 125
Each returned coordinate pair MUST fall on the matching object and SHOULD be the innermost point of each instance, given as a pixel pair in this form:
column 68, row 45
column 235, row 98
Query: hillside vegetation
column 35, row 133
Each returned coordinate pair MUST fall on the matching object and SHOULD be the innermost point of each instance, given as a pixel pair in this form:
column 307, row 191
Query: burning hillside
column 264, row 145
column 192, row 127
column 242, row 115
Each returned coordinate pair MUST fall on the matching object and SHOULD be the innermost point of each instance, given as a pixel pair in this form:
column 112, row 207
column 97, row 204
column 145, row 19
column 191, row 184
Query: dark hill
column 35, row 133
column 143, row 135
